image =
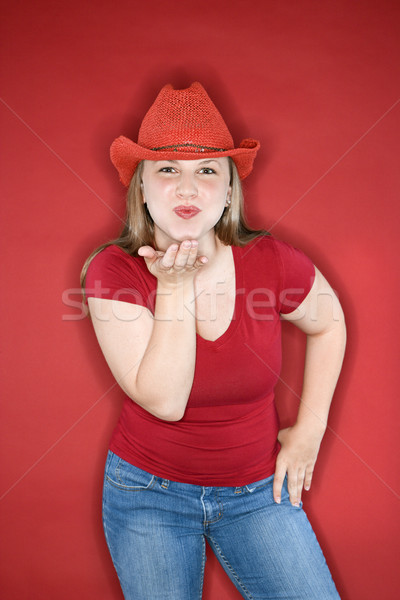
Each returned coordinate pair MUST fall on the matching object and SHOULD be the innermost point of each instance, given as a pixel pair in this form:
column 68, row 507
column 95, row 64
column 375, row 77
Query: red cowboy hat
column 183, row 125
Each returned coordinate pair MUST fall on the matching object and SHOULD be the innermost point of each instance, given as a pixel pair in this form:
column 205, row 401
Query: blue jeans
column 156, row 531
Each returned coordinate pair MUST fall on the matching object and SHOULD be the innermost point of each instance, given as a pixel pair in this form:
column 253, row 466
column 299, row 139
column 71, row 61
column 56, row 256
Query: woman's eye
column 167, row 170
column 207, row 171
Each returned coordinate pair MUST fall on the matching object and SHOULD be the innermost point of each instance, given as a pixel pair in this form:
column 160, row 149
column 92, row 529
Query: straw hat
column 181, row 125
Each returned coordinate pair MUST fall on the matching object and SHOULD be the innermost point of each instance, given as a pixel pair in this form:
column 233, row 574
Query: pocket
column 123, row 475
column 252, row 487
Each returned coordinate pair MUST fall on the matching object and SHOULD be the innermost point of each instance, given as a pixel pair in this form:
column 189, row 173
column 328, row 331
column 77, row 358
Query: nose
column 186, row 186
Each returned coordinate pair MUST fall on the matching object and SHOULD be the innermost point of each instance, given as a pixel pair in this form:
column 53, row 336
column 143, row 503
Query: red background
column 317, row 82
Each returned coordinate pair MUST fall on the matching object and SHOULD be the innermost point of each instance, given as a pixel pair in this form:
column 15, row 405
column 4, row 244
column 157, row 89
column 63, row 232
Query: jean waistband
column 189, row 488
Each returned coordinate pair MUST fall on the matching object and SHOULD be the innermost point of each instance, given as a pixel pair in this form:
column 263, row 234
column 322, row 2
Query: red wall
column 317, row 82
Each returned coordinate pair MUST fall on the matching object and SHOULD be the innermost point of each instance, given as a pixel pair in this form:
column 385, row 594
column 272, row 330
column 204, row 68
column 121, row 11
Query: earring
column 228, row 201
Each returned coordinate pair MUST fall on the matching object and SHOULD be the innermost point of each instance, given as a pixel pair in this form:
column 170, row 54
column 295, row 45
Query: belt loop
column 238, row 490
column 165, row 484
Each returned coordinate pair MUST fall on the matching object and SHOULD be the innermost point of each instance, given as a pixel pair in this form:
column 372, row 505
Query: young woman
column 186, row 306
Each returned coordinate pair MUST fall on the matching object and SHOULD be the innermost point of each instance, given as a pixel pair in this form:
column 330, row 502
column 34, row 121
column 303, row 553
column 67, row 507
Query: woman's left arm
column 321, row 318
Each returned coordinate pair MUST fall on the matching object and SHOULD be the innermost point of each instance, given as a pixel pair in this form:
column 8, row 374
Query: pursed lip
column 186, row 212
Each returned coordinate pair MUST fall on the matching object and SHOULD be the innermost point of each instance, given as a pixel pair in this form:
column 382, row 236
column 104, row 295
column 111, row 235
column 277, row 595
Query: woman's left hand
column 297, row 457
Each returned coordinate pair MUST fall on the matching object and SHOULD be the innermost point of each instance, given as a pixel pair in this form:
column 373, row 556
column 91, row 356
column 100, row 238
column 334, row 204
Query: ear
column 142, row 189
column 229, row 197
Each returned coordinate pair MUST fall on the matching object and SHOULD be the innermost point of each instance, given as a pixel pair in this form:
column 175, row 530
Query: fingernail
column 186, row 244
column 278, row 500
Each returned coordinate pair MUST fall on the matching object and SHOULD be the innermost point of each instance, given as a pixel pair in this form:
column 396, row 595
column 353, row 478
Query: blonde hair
column 138, row 230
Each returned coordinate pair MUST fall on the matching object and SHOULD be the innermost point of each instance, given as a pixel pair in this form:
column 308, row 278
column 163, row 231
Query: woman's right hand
column 152, row 355
column 177, row 263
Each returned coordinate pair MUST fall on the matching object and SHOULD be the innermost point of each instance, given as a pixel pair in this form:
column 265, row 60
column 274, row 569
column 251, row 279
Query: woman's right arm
column 153, row 357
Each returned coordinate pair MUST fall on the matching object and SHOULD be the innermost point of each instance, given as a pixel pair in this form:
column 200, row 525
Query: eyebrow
column 205, row 161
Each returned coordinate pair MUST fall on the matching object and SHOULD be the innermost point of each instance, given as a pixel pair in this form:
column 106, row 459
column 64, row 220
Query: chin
column 177, row 234
column 184, row 233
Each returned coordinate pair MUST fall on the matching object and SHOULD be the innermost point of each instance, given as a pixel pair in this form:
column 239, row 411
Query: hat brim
column 126, row 155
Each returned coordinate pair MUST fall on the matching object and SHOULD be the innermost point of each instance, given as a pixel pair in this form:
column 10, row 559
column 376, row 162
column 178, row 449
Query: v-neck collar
column 238, row 309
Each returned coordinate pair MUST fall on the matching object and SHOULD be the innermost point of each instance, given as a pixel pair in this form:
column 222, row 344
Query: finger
column 182, row 256
column 200, row 261
column 168, row 259
column 279, row 477
column 308, row 479
column 300, row 484
column 192, row 256
column 293, row 487
column 147, row 252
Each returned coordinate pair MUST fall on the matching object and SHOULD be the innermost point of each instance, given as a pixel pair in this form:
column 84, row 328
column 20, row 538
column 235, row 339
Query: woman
column 186, row 306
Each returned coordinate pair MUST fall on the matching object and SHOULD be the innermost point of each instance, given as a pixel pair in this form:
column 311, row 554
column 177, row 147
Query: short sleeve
column 297, row 274
column 115, row 275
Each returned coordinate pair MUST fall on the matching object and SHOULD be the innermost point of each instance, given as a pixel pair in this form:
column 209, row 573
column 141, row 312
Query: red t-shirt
column 228, row 434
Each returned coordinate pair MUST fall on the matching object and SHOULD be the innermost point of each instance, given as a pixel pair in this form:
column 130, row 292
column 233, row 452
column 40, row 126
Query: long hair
column 138, row 229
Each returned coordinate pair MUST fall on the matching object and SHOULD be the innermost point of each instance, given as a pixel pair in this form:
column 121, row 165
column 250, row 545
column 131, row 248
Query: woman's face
column 185, row 198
